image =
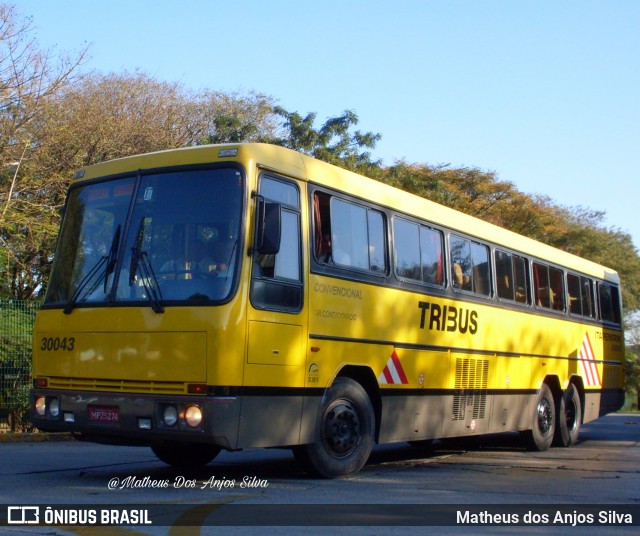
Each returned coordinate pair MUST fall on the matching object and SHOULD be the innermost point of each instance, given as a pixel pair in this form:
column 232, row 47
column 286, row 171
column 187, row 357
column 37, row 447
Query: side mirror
column 266, row 240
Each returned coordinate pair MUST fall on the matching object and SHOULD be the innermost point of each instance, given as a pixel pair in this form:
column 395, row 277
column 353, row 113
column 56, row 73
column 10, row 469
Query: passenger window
column 580, row 295
column 377, row 242
column 349, row 235
column 541, row 285
column 609, row 299
column 431, row 255
column 511, row 277
column 549, row 288
column 418, row 252
column 521, row 279
column 588, row 308
column 406, row 241
column 469, row 266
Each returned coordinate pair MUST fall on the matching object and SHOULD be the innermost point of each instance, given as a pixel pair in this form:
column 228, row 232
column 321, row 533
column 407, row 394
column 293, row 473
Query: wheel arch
column 367, row 379
column 556, row 389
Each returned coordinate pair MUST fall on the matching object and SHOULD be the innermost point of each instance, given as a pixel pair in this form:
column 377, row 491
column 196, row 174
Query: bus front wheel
column 344, row 432
column 543, row 424
column 185, row 455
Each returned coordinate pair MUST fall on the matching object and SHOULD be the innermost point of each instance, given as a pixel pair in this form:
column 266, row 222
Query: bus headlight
column 54, row 407
column 40, row 406
column 193, row 416
column 170, row 416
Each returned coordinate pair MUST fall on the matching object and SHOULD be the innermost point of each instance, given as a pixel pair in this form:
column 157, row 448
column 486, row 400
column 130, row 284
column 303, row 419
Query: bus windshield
column 151, row 239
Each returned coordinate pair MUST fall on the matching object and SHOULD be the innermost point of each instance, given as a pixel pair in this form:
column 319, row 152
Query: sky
column 544, row 93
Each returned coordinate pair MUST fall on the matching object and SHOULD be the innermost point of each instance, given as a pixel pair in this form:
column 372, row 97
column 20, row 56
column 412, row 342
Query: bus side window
column 406, row 241
column 580, row 294
column 470, row 266
column 609, row 299
column 511, row 277
column 521, row 279
column 460, row 263
column 322, row 227
column 541, row 285
column 549, row 287
column 431, row 255
column 587, row 297
column 349, row 235
column 504, row 275
column 573, row 293
column 556, row 279
column 418, row 252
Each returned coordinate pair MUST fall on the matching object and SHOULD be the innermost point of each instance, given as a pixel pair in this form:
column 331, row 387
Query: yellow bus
column 241, row 296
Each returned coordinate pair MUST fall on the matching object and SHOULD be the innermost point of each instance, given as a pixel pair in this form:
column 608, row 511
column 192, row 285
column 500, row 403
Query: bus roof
column 306, row 168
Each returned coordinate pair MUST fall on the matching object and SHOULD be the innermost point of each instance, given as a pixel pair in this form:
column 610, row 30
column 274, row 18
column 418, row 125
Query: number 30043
column 57, row 344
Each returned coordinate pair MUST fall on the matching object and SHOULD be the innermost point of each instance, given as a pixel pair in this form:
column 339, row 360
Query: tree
column 469, row 190
column 29, row 77
column 333, row 142
column 574, row 229
column 102, row 117
column 632, row 358
column 236, row 118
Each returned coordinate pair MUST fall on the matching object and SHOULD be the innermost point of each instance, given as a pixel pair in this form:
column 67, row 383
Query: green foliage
column 16, row 323
column 632, row 362
column 332, row 142
column 632, row 377
column 236, row 118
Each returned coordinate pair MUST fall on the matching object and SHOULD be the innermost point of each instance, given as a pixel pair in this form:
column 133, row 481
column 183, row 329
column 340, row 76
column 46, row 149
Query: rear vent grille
column 611, row 377
column 470, row 388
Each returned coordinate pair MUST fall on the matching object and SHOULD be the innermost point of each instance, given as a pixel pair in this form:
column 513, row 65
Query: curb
column 10, row 437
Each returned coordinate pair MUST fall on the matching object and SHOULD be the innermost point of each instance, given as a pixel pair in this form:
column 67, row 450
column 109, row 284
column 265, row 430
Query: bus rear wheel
column 344, row 432
column 185, row 455
column 543, row 423
column 569, row 418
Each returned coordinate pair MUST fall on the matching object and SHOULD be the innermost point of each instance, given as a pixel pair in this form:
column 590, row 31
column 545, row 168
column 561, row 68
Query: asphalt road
column 486, row 477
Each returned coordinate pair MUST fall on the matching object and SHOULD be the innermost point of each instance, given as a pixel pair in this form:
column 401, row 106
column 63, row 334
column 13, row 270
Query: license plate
column 106, row 414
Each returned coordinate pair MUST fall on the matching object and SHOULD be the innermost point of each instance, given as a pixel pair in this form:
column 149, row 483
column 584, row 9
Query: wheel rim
column 571, row 415
column 545, row 416
column 341, row 429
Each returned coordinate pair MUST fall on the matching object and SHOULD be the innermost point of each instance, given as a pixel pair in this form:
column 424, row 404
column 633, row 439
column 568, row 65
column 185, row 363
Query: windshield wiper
column 109, row 261
column 231, row 255
column 85, row 281
column 112, row 258
column 140, row 261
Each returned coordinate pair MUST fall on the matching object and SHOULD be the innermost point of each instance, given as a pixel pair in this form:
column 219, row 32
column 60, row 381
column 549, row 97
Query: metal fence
column 16, row 325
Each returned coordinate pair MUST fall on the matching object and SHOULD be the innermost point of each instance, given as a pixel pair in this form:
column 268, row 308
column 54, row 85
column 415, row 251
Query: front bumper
column 136, row 419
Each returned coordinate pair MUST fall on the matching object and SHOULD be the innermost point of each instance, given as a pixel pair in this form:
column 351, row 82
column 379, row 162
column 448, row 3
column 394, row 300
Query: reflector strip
column 588, row 365
column 393, row 373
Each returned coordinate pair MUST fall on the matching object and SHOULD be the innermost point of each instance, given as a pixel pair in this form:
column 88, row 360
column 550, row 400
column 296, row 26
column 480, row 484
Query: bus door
column 274, row 368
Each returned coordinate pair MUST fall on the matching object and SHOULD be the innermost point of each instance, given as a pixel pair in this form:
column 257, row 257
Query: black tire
column 185, row 455
column 543, row 422
column 569, row 418
column 345, row 432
